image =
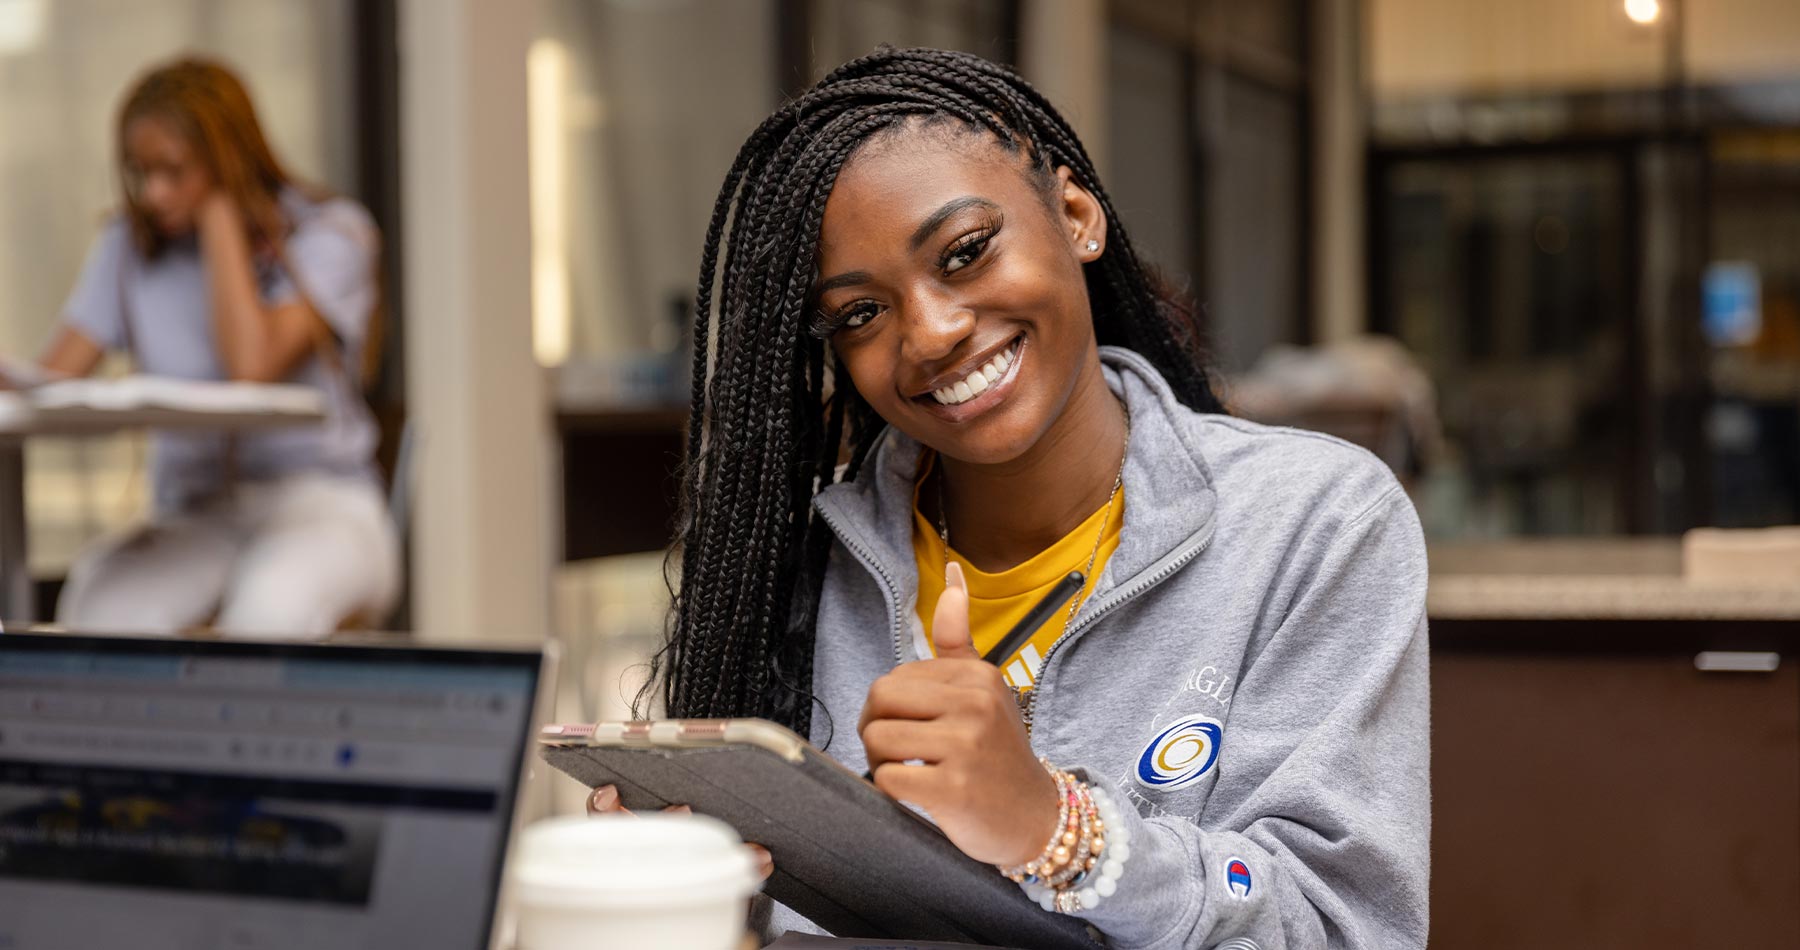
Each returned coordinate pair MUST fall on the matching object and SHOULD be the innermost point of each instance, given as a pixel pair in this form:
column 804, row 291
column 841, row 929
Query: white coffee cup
column 680, row 882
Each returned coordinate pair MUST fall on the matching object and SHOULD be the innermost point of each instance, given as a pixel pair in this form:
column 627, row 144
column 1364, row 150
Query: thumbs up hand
column 945, row 734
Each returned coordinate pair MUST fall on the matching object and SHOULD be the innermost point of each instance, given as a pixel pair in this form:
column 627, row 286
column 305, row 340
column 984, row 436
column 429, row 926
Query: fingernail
column 678, row 810
column 605, row 798
column 953, row 575
column 765, row 862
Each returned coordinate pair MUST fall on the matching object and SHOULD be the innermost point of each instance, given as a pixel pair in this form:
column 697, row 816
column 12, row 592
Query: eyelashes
column 962, row 253
column 969, row 248
column 825, row 324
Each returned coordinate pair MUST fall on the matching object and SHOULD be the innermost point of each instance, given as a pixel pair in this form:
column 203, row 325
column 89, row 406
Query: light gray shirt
column 162, row 309
column 1262, row 621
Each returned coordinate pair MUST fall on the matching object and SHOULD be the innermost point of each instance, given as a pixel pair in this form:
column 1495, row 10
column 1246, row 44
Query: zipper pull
column 1027, row 700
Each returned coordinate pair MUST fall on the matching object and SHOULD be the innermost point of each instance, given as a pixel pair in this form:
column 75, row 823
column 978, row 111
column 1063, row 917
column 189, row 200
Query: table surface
column 21, row 417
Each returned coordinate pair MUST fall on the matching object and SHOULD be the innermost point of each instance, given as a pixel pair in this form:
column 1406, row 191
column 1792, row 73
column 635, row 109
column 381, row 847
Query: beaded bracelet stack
column 1082, row 863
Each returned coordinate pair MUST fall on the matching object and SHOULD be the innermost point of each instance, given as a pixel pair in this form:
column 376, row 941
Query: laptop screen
column 187, row 794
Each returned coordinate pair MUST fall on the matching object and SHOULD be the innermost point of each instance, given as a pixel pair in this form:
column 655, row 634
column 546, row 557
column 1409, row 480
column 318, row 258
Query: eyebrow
column 847, row 279
column 950, row 209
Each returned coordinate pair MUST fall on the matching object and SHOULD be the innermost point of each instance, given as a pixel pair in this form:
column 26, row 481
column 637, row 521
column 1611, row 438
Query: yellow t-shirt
column 997, row 601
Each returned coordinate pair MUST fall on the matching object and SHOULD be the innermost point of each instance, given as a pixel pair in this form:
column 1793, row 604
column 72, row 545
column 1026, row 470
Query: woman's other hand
column 261, row 225
column 71, row 354
column 945, row 734
column 604, row 801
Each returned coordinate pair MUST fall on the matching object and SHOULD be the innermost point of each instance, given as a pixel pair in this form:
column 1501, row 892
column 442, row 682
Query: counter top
column 1582, row 579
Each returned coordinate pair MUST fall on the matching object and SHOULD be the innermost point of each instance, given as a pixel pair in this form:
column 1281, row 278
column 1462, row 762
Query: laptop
column 160, row 794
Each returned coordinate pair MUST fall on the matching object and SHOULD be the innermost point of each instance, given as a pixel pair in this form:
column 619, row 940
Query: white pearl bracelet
column 1105, row 881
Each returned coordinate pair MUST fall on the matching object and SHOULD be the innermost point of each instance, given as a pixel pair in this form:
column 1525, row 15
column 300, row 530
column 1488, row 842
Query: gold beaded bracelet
column 1075, row 847
column 1089, row 842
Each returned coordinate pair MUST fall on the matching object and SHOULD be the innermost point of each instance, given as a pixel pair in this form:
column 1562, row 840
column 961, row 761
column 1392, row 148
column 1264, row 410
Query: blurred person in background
column 222, row 267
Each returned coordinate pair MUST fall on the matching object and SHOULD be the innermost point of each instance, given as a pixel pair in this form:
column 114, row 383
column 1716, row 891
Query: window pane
column 1253, row 224
column 1508, row 279
column 1151, row 178
column 1237, row 249
column 637, row 110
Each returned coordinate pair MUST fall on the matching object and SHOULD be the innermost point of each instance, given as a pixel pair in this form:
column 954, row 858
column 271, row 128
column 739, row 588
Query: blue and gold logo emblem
column 1181, row 754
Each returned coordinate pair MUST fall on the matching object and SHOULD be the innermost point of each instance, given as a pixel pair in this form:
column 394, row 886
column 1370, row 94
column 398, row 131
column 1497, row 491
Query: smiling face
column 952, row 291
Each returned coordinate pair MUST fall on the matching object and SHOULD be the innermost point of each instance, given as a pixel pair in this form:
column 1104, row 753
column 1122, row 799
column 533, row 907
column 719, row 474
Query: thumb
column 950, row 621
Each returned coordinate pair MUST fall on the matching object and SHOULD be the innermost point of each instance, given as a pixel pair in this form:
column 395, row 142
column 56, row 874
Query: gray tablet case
column 847, row 856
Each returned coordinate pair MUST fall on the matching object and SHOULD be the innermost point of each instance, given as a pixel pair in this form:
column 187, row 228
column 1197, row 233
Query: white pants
column 293, row 557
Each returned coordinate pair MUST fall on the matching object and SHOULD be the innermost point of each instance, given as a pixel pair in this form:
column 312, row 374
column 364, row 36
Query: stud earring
column 1093, row 245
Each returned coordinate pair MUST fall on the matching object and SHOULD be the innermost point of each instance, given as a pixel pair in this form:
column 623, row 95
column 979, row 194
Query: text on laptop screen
column 196, row 795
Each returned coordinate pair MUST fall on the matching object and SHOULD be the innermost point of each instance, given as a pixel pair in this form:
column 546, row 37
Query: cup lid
column 649, row 859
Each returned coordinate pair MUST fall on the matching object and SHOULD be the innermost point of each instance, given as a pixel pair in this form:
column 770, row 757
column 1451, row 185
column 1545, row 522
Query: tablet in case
column 847, row 857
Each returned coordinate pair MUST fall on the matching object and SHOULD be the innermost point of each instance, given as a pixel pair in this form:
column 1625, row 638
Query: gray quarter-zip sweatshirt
column 1248, row 677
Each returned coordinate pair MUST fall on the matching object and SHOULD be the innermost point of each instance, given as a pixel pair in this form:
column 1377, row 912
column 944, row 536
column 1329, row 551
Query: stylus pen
column 1040, row 614
column 1028, row 625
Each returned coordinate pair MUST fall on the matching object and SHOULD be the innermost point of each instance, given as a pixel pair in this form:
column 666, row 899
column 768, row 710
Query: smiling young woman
column 938, row 378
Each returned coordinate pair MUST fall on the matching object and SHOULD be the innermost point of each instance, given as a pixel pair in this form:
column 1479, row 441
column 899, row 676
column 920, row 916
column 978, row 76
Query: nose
column 155, row 193
column 933, row 326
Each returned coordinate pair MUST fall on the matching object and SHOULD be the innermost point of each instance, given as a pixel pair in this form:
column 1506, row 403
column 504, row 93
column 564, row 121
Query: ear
column 1082, row 217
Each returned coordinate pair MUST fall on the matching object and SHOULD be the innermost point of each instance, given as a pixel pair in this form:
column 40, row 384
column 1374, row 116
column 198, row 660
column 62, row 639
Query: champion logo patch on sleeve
column 1237, row 877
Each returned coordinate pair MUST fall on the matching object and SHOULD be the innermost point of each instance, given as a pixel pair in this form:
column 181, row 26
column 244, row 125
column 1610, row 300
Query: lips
column 964, row 398
column 978, row 380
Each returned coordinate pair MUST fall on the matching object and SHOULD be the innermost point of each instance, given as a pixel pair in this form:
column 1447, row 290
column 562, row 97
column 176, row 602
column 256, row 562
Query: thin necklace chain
column 1087, row 573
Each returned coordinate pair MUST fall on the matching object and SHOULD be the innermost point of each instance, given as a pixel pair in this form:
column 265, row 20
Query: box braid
column 769, row 425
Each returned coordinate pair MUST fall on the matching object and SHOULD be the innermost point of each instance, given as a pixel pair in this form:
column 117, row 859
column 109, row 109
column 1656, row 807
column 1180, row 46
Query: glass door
column 1511, row 276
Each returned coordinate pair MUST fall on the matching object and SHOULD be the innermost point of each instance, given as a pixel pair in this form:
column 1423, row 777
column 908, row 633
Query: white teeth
column 976, row 382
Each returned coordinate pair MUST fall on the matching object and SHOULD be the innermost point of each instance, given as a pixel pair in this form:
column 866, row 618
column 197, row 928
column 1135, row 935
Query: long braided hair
column 768, row 431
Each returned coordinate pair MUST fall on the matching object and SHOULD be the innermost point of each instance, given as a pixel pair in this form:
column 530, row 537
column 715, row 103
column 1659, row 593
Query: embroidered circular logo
column 1237, row 877
column 1181, row 754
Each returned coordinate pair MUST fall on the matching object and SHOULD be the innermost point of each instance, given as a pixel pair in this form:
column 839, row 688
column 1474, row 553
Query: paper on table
column 800, row 941
column 162, row 392
column 24, row 374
